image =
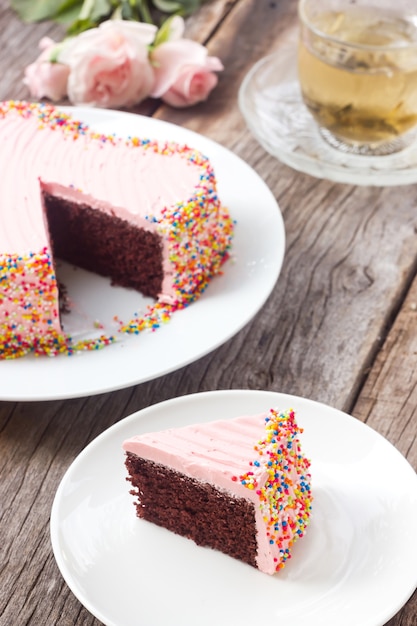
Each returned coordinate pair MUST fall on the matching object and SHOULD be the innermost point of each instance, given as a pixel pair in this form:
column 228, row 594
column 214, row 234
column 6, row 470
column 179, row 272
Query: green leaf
column 68, row 5
column 102, row 9
column 95, row 10
column 163, row 33
column 191, row 5
column 143, row 10
column 86, row 10
column 92, row 13
column 79, row 26
column 167, row 6
column 37, row 10
column 126, row 11
column 68, row 12
column 81, row 15
column 185, row 7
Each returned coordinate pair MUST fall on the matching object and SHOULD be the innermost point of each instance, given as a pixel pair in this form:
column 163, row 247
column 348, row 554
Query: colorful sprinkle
column 282, row 483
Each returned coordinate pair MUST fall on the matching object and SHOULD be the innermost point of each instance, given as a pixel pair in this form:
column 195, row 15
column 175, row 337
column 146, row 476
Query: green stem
column 143, row 9
column 86, row 9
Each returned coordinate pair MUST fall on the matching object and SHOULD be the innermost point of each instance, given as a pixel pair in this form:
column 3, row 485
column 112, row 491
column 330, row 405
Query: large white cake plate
column 227, row 305
column 271, row 103
column 355, row 565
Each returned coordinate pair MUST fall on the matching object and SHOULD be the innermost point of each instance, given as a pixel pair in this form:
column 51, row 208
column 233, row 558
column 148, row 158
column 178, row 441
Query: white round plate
column 356, row 564
column 227, row 305
column 271, row 103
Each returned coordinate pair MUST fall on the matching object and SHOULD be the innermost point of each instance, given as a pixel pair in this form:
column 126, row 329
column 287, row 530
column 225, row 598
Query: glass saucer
column 270, row 101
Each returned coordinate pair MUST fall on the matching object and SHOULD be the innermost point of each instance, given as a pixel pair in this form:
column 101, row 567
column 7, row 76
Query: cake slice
column 241, row 486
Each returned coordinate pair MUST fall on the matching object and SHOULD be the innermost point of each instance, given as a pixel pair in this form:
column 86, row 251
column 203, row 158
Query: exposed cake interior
column 197, row 510
column 241, row 486
column 105, row 244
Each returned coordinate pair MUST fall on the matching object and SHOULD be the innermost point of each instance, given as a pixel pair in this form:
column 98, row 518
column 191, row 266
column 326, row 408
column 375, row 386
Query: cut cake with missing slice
column 240, row 486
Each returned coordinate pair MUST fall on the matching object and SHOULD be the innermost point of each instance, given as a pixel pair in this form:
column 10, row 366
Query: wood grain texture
column 334, row 285
column 388, row 400
column 340, row 325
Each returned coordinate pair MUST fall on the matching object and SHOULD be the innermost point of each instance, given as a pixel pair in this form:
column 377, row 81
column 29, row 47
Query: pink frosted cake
column 146, row 214
column 241, row 486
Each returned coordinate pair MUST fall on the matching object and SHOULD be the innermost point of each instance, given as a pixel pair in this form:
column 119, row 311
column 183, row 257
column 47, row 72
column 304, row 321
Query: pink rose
column 109, row 64
column 44, row 78
column 184, row 73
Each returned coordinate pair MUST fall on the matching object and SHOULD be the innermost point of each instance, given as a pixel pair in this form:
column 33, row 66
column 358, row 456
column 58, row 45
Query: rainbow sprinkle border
column 285, row 504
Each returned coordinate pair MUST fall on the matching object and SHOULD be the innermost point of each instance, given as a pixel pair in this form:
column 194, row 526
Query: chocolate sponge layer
column 193, row 509
column 105, row 244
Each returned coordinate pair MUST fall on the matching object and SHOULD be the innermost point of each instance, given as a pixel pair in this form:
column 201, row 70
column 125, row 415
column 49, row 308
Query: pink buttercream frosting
column 254, row 457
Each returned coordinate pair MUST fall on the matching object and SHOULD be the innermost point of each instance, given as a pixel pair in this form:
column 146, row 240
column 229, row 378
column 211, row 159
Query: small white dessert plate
column 271, row 103
column 227, row 305
column 355, row 565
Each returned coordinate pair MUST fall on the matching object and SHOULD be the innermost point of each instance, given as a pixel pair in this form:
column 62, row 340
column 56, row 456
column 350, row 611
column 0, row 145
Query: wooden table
column 340, row 326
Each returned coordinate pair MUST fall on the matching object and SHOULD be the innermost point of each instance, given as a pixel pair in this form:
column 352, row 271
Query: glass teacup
column 357, row 67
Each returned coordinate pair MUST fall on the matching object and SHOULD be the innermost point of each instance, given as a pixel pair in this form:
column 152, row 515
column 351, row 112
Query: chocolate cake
column 240, row 486
column 145, row 213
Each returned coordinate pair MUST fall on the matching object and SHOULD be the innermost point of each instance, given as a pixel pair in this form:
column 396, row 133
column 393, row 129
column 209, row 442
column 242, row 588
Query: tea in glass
column 357, row 66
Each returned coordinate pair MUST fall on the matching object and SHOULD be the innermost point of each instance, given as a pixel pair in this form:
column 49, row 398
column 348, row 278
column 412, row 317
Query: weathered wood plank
column 388, row 399
column 37, row 444
column 19, row 48
column 208, row 19
column 336, row 293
